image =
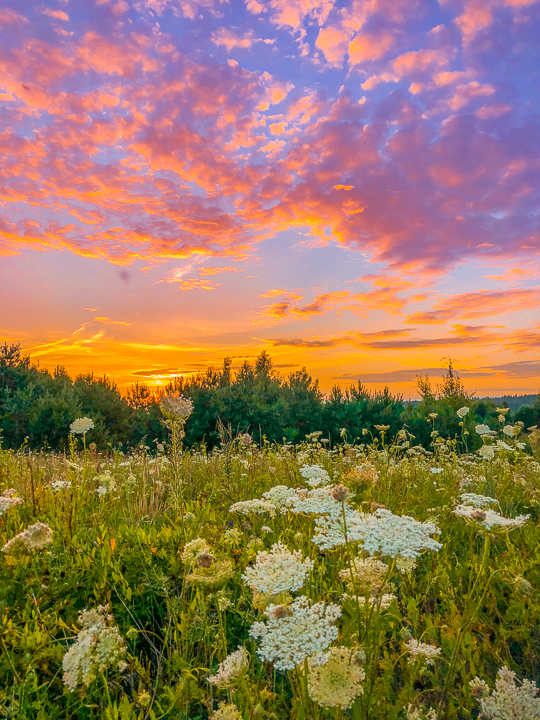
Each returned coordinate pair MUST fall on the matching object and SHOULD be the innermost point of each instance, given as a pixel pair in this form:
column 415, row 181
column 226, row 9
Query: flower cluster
column 365, row 576
column 463, row 411
column 256, row 507
column 508, row 701
column 277, row 571
column 478, row 501
column 421, row 714
column 7, row 501
column 382, row 532
column 193, row 549
column 230, row 669
column 278, row 496
column 294, row 633
column 337, row 682
column 99, row 645
column 81, row 426
column 58, row 485
column 422, row 650
column 176, row 407
column 489, row 518
column 35, row 537
column 315, row 475
column 226, row 711
column 314, row 502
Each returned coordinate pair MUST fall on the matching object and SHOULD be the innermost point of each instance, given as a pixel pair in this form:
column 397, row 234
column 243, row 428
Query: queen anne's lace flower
column 226, row 711
column 176, row 406
column 278, row 571
column 58, row 485
column 81, row 426
column 421, row 713
column 230, row 669
column 487, row 452
column 292, row 634
column 365, row 576
column 508, row 701
column 193, row 549
column 478, row 501
column 278, row 496
column 510, row 430
column 7, row 500
column 318, row 501
column 35, row 537
column 482, row 429
column 315, row 475
column 99, row 645
column 338, row 682
column 463, row 411
column 381, row 532
column 422, row 650
column 492, row 518
column 256, row 507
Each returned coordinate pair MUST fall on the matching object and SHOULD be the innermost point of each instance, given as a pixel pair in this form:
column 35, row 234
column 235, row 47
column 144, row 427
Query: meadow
column 374, row 580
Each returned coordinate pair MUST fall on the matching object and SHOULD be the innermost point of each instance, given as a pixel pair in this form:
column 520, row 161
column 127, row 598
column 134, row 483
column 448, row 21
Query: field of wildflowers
column 375, row 581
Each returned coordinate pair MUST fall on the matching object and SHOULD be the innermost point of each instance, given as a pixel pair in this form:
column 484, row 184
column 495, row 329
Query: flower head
column 287, row 641
column 81, row 426
column 278, row 571
column 423, row 651
column 176, row 407
column 508, row 701
column 230, row 669
column 315, row 475
column 337, row 682
column 226, row 711
column 99, row 644
column 490, row 518
column 463, row 411
column 35, row 537
column 7, row 501
column 255, row 507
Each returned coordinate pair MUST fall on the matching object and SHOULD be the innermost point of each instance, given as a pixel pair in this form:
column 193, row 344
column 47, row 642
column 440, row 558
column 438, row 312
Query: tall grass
column 121, row 523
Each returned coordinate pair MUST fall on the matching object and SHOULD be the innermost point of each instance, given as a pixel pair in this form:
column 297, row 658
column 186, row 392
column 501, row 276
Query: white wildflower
column 487, row 452
column 278, row 571
column 382, row 532
column 482, row 429
column 174, row 406
column 58, row 485
column 421, row 650
column 194, row 549
column 420, row 714
column 295, row 633
column 478, row 501
column 508, row 701
column 338, row 681
column 81, row 426
column 436, row 471
column 405, row 565
column 315, row 475
column 256, row 507
column 278, row 496
column 230, row 669
column 492, row 519
column 510, row 430
column 463, row 411
column 99, row 644
column 8, row 501
column 318, row 501
column 34, row 537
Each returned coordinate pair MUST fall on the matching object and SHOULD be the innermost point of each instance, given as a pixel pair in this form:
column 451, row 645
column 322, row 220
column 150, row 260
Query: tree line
column 37, row 407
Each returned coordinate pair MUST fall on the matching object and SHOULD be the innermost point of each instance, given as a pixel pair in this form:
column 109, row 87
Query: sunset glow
column 351, row 185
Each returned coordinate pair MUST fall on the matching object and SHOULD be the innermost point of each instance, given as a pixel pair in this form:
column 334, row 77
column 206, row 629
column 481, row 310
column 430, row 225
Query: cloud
column 231, row 40
column 483, row 303
column 57, row 14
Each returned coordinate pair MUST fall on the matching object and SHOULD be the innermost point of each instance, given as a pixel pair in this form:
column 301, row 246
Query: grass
column 476, row 598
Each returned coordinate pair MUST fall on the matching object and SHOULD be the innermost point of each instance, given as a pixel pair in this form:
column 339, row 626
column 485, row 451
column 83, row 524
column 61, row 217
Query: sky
column 351, row 185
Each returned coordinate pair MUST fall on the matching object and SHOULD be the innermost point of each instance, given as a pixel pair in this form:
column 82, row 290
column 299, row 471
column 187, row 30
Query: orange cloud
column 215, row 271
column 367, row 47
column 57, row 14
column 484, row 303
